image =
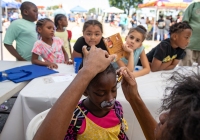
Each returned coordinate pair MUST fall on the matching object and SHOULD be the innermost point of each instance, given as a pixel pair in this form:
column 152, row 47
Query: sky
column 69, row 4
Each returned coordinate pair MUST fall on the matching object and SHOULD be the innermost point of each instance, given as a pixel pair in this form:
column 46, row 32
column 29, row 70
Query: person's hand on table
column 129, row 85
column 52, row 66
column 21, row 59
column 96, row 60
column 68, row 62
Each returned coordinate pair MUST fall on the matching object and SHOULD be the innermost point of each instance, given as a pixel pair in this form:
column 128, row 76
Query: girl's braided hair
column 41, row 23
column 57, row 18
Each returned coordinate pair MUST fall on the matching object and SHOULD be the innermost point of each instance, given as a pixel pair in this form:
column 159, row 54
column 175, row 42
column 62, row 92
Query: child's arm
column 70, row 49
column 145, row 64
column 69, row 39
column 161, row 53
column 13, row 51
column 66, row 56
column 76, row 54
column 130, row 56
column 78, row 48
column 35, row 60
column 130, row 64
column 157, row 65
column 173, row 64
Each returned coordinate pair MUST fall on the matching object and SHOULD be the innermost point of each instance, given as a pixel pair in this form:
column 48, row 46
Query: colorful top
column 53, row 54
column 84, row 124
column 64, row 37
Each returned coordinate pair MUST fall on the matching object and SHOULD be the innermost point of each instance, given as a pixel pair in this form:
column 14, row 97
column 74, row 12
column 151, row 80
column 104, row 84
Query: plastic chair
column 35, row 124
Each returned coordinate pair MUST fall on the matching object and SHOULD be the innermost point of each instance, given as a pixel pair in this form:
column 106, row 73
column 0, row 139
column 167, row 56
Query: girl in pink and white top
column 50, row 48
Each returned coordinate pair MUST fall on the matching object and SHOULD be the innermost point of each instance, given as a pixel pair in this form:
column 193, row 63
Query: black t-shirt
column 165, row 53
column 161, row 24
column 81, row 42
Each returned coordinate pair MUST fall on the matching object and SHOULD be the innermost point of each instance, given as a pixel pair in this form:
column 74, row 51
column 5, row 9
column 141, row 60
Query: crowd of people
column 47, row 43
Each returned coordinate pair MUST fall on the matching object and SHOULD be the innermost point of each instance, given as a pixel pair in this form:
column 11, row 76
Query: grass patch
column 146, row 46
column 73, row 40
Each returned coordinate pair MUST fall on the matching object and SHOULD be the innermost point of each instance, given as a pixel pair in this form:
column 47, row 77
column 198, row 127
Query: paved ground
column 76, row 32
column 3, row 117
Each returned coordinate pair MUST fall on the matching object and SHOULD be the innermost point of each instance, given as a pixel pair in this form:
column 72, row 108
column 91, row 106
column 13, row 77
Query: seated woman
column 181, row 120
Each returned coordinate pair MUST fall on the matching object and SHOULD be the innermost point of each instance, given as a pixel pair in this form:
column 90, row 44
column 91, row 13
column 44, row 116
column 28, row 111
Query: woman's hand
column 126, row 48
column 52, row 66
column 129, row 85
column 93, row 64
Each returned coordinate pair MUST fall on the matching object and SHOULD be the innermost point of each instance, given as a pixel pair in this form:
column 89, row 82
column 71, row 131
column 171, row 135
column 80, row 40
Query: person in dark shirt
column 161, row 26
column 167, row 54
column 92, row 35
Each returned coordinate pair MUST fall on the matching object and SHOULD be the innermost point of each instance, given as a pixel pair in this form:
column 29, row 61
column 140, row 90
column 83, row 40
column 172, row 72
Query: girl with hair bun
column 61, row 23
column 135, row 51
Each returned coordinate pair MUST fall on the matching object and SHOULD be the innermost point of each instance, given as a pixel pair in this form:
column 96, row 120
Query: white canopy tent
column 113, row 10
column 164, row 4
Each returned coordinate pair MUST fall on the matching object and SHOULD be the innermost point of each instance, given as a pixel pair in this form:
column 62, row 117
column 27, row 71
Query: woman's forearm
column 64, row 106
column 144, row 117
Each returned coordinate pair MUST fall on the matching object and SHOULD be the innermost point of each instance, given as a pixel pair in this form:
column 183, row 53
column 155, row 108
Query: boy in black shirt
column 166, row 55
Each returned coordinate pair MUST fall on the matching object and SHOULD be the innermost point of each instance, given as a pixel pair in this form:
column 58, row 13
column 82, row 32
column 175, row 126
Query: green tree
column 93, row 10
column 126, row 5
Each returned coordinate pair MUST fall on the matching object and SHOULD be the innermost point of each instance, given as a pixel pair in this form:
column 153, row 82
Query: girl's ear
column 39, row 29
column 59, row 22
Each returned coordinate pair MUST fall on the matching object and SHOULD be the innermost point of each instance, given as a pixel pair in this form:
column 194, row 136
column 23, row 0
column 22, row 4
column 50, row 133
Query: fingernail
column 125, row 72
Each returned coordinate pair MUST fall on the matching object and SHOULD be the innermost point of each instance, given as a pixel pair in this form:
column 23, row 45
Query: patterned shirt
column 53, row 54
column 78, row 118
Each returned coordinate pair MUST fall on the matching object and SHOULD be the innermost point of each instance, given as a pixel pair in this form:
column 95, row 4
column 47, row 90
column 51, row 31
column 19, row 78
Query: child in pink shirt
column 50, row 48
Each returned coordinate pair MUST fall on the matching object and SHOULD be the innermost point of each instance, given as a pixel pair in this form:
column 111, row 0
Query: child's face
column 183, row 38
column 47, row 30
column 102, row 92
column 32, row 13
column 63, row 21
column 134, row 40
column 92, row 35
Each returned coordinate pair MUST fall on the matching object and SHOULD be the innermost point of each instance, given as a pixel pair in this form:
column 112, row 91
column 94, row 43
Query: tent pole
column 6, row 10
column 1, row 32
column 154, row 24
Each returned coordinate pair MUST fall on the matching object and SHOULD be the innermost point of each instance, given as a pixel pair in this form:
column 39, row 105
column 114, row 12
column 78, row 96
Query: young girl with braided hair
column 167, row 54
column 61, row 23
column 99, row 116
column 50, row 48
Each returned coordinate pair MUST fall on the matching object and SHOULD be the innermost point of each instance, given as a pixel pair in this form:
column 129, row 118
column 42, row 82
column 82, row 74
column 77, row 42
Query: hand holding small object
column 52, row 66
